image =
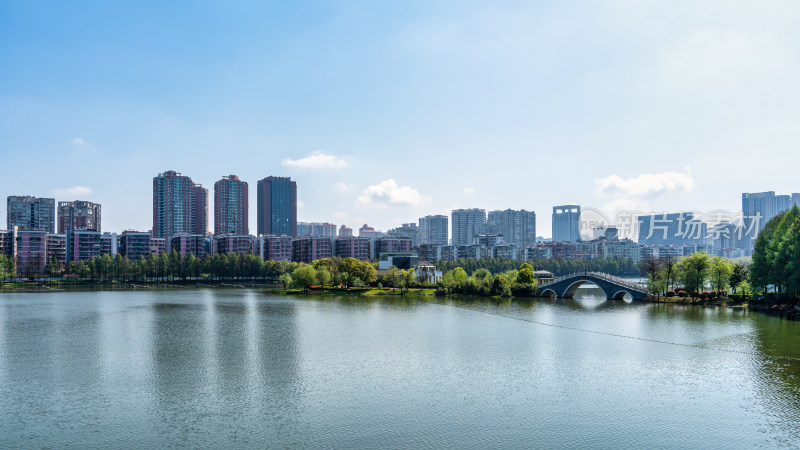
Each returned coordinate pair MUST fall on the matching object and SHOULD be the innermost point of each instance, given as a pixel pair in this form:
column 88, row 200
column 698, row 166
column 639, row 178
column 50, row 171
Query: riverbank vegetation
column 697, row 277
column 776, row 258
column 621, row 267
column 511, row 283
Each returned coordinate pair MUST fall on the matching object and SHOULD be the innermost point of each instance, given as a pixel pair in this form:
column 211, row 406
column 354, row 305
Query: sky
column 387, row 111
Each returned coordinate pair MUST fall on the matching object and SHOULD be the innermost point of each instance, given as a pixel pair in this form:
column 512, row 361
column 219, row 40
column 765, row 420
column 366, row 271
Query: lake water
column 243, row 368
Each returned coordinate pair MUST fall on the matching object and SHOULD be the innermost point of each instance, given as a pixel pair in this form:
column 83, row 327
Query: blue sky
column 385, row 111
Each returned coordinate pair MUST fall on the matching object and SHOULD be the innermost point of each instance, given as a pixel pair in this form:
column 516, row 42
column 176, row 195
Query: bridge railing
column 600, row 275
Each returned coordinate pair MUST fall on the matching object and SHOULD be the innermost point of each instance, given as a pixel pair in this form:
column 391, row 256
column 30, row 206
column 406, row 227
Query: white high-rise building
column 517, row 227
column 566, row 223
column 435, row 229
column 468, row 223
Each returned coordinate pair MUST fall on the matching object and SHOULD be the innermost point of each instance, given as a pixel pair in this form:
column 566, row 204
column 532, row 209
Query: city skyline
column 372, row 102
column 192, row 199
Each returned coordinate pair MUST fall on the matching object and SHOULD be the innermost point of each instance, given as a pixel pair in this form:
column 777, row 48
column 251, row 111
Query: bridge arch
column 569, row 292
column 548, row 293
column 620, row 295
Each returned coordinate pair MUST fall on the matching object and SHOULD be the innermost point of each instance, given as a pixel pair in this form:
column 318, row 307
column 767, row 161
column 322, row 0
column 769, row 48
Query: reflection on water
column 240, row 368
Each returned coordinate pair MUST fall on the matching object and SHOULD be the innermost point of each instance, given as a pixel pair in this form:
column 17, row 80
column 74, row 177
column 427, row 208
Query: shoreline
column 783, row 311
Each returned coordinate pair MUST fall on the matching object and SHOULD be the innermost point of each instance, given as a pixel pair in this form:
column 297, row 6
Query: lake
column 226, row 368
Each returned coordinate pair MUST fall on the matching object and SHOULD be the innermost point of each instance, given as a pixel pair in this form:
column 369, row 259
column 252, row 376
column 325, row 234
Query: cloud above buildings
column 647, row 184
column 73, row 192
column 79, row 141
column 389, row 193
column 317, row 160
column 469, row 191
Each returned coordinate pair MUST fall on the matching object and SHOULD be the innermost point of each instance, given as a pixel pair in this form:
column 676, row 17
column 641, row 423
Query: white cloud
column 79, row 141
column 72, row 192
column 389, row 193
column 317, row 160
column 344, row 188
column 301, row 204
column 648, row 184
column 469, row 191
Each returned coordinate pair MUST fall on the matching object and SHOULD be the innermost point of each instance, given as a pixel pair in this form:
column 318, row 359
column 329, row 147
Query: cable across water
column 638, row 338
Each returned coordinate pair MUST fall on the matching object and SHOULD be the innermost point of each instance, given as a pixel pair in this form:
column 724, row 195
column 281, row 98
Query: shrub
column 670, row 293
column 704, row 295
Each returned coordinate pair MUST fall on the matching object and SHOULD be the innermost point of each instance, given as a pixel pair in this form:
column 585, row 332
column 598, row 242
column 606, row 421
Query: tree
column 361, row 270
column 407, row 278
column 305, row 276
column 459, row 275
column 525, row 275
column 481, row 274
column 776, row 255
column 286, row 280
column 694, row 270
column 738, row 276
column 323, row 275
column 53, row 268
column 501, row 287
column 4, row 272
column 720, row 272
column 392, row 277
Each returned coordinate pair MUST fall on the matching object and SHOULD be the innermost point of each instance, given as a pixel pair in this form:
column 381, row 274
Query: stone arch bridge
column 615, row 288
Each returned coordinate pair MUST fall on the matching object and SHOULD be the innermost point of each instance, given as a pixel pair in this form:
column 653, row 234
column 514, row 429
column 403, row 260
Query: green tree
column 392, row 277
column 738, row 276
column 501, row 287
column 482, row 274
column 323, row 275
column 459, row 275
column 358, row 270
column 305, row 276
column 694, row 270
column 286, row 280
column 720, row 272
column 53, row 268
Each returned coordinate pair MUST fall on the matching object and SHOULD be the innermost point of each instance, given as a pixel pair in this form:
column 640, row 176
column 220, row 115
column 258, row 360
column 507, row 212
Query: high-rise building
column 79, row 216
column 310, row 248
column 7, row 243
column 84, row 245
column 758, row 208
column 467, row 223
column 158, row 245
column 323, row 229
column 31, row 213
column 199, row 221
column 230, row 206
column 31, row 252
column 435, row 229
column 566, row 223
column 345, row 232
column 134, row 244
column 232, row 243
column 409, row 231
column 275, row 248
column 189, row 244
column 369, row 232
column 676, row 229
column 354, row 247
column 179, row 205
column 57, row 248
column 277, row 206
column 109, row 244
column 518, row 227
